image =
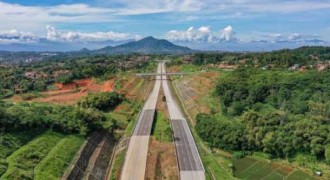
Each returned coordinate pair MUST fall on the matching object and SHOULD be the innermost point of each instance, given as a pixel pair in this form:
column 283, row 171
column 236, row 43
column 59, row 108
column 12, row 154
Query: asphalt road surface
column 136, row 156
column 190, row 164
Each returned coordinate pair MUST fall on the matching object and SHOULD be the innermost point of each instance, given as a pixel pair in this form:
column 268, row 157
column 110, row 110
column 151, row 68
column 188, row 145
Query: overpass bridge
column 160, row 74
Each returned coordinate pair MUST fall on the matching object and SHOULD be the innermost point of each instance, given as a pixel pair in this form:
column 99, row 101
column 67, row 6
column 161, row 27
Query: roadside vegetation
column 262, row 110
column 275, row 110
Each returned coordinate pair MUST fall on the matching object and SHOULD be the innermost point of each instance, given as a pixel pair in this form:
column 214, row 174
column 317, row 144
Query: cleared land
column 69, row 93
column 161, row 162
column 195, row 92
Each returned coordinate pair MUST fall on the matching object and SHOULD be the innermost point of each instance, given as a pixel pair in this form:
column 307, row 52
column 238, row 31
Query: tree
column 101, row 101
column 327, row 154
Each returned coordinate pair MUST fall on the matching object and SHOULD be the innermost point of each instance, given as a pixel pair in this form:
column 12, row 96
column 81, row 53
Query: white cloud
column 55, row 35
column 228, row 33
column 202, row 34
column 14, row 36
column 34, row 18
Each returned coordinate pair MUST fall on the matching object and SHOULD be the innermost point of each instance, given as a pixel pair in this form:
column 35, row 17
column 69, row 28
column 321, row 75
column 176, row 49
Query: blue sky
column 200, row 24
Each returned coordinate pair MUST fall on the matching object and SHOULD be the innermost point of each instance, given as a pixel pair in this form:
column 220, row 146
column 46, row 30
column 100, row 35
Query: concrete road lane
column 136, row 156
column 190, row 164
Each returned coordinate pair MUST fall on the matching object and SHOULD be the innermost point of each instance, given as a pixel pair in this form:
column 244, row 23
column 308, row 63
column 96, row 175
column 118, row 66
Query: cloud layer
column 70, row 36
column 14, row 36
column 225, row 21
column 291, row 38
column 202, row 34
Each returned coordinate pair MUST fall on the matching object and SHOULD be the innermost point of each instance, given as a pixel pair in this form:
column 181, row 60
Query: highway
column 190, row 164
column 136, row 156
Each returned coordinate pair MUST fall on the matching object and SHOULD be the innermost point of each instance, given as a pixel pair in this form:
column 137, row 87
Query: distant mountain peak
column 147, row 45
column 84, row 50
column 149, row 38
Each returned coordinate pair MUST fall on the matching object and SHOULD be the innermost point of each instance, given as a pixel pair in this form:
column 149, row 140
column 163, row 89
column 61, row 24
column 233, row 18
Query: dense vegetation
column 101, row 101
column 278, row 112
column 279, row 59
column 67, row 119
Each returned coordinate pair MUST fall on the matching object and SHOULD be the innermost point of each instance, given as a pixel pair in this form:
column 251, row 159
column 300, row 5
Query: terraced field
column 251, row 168
column 47, row 155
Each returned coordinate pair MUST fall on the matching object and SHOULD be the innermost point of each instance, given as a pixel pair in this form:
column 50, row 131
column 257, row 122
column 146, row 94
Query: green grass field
column 161, row 128
column 189, row 68
column 36, row 158
column 298, row 175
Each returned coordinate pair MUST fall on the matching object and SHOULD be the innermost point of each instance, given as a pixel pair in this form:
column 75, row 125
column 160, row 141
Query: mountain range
column 148, row 45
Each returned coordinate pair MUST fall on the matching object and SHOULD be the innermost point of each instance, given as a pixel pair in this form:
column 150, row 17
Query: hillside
column 148, row 45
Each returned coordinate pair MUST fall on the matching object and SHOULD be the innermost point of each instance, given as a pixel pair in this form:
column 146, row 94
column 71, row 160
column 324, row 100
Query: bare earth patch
column 69, row 93
column 161, row 162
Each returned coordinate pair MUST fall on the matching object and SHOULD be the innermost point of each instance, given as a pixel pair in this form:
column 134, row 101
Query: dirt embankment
column 133, row 87
column 195, row 91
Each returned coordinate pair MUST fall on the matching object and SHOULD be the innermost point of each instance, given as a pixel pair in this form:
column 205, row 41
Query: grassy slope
column 48, row 155
column 9, row 143
column 22, row 163
column 119, row 161
column 59, row 158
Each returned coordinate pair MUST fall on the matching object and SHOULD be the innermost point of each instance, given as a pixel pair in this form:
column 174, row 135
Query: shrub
column 101, row 101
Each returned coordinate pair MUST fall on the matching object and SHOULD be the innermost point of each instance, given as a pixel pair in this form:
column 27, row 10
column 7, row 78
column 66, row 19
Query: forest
column 279, row 59
column 82, row 119
column 281, row 113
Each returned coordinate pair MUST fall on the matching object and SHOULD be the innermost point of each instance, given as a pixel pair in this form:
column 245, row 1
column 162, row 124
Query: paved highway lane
column 190, row 164
column 136, row 156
